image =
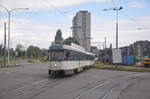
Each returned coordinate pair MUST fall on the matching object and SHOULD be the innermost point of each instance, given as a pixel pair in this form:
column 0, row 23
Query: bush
column 1, row 62
column 30, row 61
column 122, row 68
column 13, row 62
column 43, row 60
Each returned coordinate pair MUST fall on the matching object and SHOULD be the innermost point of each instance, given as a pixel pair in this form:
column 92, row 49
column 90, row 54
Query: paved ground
column 33, row 82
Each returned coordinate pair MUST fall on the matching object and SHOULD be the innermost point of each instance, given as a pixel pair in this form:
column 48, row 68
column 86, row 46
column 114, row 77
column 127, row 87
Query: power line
column 113, row 2
column 60, row 12
column 132, row 19
column 3, row 19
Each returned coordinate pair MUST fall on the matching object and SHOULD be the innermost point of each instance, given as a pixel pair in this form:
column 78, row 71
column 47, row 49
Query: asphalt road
column 33, row 82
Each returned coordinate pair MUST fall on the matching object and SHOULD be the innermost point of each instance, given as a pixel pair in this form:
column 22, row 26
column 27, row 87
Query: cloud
column 28, row 33
column 136, row 4
column 128, row 32
column 33, row 33
column 44, row 4
column 41, row 34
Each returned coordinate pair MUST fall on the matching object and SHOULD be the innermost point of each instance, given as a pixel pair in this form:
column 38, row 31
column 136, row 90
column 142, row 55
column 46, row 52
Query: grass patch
column 31, row 61
column 122, row 68
column 1, row 62
column 43, row 60
column 13, row 62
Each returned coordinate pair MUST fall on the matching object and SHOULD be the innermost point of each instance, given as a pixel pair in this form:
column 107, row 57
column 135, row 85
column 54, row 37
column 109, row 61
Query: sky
column 38, row 25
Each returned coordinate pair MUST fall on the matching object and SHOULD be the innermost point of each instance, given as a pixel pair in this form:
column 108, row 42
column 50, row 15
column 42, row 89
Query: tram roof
column 78, row 48
column 72, row 47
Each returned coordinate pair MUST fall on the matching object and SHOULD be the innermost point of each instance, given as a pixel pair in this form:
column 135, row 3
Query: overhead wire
column 3, row 19
column 129, row 17
column 113, row 2
column 59, row 11
column 55, row 8
column 47, row 4
column 133, row 20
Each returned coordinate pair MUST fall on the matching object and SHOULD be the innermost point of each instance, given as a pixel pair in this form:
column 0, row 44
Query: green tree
column 44, row 52
column 1, row 49
column 70, row 40
column 131, row 52
column 34, row 52
column 58, row 37
column 19, row 49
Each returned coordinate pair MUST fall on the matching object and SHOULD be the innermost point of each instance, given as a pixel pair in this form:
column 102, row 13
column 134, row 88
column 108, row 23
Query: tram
column 68, row 59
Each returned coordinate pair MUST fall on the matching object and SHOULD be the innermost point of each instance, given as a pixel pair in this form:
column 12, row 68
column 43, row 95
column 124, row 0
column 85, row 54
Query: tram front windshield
column 56, row 55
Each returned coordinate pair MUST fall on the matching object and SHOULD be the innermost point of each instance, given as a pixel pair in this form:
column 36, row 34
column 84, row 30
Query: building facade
column 139, row 49
column 82, row 28
column 142, row 48
column 94, row 50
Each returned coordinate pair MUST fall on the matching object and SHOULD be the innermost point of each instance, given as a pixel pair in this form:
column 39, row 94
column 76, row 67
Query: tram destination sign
column 55, row 47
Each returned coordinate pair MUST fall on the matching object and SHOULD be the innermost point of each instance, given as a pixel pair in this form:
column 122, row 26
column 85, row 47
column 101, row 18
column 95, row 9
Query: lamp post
column 9, row 11
column 5, row 44
column 117, row 9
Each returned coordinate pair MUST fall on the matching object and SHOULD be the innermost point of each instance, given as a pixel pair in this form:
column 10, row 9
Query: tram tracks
column 91, row 89
column 37, row 87
column 29, row 91
column 115, row 89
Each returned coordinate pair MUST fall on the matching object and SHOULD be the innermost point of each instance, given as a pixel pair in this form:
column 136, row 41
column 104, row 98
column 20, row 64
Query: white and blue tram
column 69, row 59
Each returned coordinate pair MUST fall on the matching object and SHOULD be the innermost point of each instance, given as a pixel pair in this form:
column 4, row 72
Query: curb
column 122, row 70
column 10, row 66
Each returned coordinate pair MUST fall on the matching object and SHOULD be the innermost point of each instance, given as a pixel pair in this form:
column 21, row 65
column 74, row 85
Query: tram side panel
column 69, row 67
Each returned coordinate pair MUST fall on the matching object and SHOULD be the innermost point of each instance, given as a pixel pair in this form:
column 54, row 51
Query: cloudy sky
column 38, row 25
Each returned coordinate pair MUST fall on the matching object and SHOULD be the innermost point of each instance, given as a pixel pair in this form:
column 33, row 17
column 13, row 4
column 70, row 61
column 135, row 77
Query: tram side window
column 73, row 55
column 67, row 55
column 76, row 56
column 89, row 57
column 57, row 55
column 80, row 56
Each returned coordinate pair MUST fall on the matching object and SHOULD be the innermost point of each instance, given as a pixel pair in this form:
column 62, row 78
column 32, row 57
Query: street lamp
column 9, row 11
column 115, row 9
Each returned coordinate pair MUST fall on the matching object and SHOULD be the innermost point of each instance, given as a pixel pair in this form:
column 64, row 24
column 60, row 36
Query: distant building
column 95, row 50
column 142, row 48
column 105, row 55
column 82, row 28
column 125, row 50
column 139, row 49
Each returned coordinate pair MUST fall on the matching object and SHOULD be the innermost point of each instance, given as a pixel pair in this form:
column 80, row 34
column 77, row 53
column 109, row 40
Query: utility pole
column 105, row 50
column 117, row 27
column 117, row 9
column 9, row 11
column 5, row 44
column 105, row 42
